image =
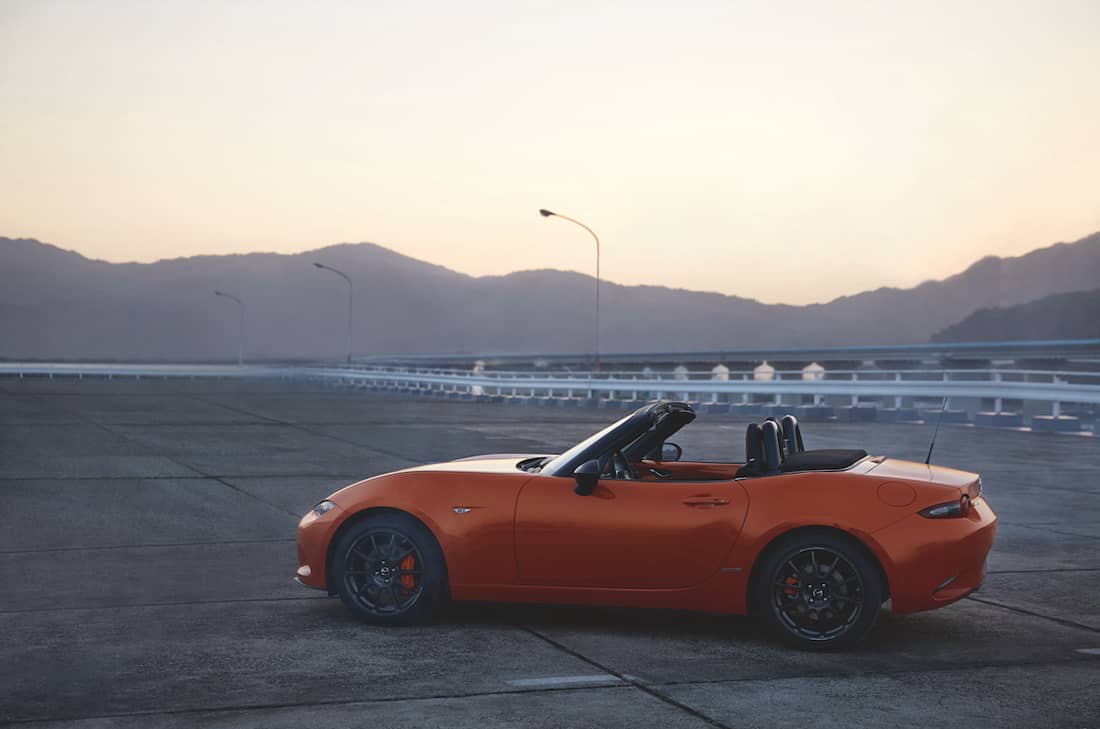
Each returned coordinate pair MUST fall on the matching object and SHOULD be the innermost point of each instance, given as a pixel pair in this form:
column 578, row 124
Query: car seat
column 754, row 452
column 792, row 435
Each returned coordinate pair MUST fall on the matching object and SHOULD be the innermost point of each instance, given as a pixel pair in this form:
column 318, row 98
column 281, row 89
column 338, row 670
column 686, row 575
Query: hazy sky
column 785, row 151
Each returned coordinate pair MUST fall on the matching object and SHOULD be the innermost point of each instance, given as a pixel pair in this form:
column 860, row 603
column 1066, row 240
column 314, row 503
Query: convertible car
column 814, row 542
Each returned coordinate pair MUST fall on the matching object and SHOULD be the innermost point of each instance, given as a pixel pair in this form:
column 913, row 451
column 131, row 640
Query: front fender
column 470, row 514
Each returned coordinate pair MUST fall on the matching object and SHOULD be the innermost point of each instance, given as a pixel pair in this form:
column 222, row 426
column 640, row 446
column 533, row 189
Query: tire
column 389, row 570
column 819, row 590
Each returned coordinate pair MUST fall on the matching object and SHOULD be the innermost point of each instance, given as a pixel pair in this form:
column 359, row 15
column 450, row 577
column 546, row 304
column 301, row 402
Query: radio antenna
column 928, row 461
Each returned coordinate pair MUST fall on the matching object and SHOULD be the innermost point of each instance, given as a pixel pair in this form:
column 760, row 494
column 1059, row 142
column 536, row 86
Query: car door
column 626, row 534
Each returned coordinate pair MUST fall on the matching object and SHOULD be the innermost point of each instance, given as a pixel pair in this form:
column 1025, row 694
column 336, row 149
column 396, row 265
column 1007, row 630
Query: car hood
column 491, row 463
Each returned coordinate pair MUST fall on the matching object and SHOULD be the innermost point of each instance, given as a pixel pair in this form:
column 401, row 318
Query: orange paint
column 667, row 542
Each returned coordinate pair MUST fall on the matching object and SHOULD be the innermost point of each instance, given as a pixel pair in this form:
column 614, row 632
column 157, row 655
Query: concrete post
column 680, row 374
column 720, row 373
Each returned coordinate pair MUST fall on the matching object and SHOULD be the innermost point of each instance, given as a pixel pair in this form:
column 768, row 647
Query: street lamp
column 351, row 288
column 240, row 326
column 546, row 214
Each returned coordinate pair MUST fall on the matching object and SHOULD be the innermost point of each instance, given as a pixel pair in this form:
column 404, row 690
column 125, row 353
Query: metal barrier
column 111, row 370
column 996, row 385
column 1054, row 386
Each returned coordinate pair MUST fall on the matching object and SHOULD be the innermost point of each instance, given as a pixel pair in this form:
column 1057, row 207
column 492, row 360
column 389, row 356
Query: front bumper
column 934, row 562
column 314, row 536
column 300, row 581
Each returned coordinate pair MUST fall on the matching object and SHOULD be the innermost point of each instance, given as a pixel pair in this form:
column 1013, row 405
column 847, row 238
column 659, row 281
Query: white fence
column 998, row 385
column 994, row 384
column 112, row 370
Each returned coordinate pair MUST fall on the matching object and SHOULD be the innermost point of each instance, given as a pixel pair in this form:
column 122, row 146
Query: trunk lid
column 965, row 481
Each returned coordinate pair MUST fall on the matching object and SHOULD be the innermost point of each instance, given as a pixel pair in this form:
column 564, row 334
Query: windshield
column 552, row 466
column 646, row 428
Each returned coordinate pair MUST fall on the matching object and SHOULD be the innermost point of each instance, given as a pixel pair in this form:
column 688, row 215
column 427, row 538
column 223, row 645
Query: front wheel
column 389, row 570
column 819, row 591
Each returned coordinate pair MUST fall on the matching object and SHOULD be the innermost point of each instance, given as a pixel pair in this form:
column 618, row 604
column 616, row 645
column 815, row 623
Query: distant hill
column 58, row 304
column 1058, row 316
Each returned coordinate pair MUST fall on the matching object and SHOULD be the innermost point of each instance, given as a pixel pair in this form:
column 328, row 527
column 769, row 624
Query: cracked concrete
column 148, row 544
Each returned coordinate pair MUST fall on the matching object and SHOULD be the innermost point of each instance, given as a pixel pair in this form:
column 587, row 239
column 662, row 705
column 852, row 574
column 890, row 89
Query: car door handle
column 706, row 501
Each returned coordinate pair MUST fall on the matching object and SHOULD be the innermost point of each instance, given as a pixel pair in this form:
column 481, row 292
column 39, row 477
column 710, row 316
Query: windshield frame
column 617, row 435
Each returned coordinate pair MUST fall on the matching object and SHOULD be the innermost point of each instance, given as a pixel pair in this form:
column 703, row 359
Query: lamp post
column 240, row 326
column 351, row 290
column 546, row 214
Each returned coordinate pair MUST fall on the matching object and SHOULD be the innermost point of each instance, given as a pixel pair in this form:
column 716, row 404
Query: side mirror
column 671, row 452
column 588, row 477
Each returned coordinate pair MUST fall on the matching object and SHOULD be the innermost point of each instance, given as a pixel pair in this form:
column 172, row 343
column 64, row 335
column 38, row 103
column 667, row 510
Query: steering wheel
column 622, row 467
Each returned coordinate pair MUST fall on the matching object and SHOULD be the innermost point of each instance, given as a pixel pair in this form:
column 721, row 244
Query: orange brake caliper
column 409, row 563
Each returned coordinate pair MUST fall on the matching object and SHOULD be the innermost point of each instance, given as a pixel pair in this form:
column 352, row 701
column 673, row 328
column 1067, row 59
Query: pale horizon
column 752, row 150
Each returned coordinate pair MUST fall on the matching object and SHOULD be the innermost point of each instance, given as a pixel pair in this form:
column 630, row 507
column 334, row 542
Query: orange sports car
column 812, row 541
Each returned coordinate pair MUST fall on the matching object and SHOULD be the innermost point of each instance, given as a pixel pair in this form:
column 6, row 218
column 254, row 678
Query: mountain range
column 1074, row 315
column 57, row 304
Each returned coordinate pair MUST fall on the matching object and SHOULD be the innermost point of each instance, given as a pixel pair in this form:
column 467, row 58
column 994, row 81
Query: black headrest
column 754, row 453
column 754, row 444
column 773, row 451
column 792, row 435
column 779, row 429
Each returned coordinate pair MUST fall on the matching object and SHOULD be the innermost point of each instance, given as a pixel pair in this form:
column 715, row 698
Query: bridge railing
column 1049, row 386
column 1030, row 385
column 110, row 370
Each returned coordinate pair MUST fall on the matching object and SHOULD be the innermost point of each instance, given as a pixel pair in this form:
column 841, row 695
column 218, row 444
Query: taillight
column 950, row 510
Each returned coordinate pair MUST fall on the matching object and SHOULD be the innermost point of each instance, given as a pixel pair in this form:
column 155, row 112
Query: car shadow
column 914, row 634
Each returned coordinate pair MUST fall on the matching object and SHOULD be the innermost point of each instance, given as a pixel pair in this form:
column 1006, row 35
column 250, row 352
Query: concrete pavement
column 148, row 544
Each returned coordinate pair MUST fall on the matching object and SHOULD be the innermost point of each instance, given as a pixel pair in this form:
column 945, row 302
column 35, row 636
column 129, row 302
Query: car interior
column 772, row 447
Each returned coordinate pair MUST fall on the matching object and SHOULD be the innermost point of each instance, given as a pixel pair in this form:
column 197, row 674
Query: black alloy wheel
column 819, row 592
column 389, row 570
column 383, row 570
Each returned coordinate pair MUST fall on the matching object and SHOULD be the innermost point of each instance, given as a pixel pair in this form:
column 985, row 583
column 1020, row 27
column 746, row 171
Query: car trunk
column 940, row 475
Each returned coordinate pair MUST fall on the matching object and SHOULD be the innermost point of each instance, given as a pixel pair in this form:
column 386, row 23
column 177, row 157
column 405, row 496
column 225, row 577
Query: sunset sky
column 785, row 151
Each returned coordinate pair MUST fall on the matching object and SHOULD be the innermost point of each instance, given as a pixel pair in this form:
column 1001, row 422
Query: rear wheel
column 819, row 590
column 389, row 570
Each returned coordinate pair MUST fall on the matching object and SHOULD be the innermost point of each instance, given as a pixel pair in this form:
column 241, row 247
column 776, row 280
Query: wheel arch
column 361, row 516
column 869, row 548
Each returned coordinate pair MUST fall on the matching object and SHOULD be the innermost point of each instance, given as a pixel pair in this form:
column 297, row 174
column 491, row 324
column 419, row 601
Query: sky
column 789, row 152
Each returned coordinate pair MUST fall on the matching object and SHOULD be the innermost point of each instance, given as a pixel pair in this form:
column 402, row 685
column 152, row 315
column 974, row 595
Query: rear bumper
column 935, row 562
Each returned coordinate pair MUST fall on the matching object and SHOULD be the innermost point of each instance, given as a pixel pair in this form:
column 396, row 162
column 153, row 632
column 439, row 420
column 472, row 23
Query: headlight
column 950, row 510
column 323, row 508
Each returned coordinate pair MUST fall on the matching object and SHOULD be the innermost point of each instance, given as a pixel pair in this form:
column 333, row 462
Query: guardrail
column 111, row 370
column 856, row 384
column 995, row 385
